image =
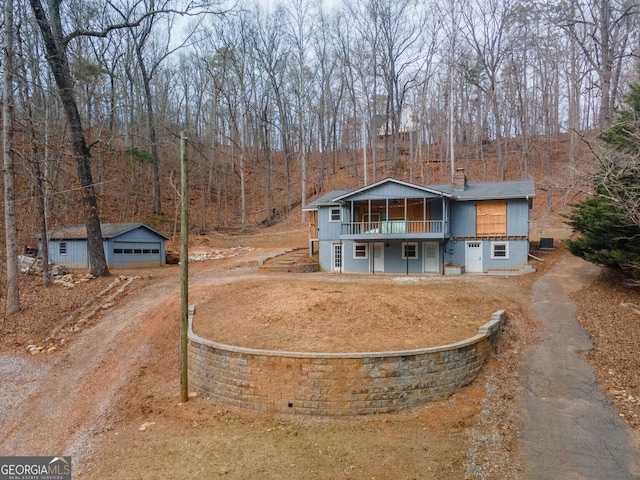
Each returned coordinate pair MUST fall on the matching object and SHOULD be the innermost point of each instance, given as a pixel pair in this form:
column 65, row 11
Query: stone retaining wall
column 336, row 384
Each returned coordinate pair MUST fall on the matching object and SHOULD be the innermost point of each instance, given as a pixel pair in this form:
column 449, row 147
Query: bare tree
column 401, row 58
column 300, row 36
column 56, row 45
column 487, row 29
column 31, row 97
column 272, row 55
column 11, row 232
column 151, row 50
column 602, row 29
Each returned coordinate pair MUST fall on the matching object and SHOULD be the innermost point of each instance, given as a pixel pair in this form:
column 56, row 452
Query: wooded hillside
column 282, row 103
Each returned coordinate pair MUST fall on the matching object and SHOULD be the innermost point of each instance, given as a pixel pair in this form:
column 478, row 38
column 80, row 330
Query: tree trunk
column 11, row 232
column 51, row 31
column 151, row 125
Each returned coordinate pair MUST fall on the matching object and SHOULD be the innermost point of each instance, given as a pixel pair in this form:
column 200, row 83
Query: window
column 500, row 250
column 334, row 214
column 360, row 250
column 491, row 218
column 117, row 250
column 337, row 256
column 409, row 250
column 63, row 248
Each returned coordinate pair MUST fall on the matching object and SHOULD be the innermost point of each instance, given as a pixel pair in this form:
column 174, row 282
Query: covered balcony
column 401, row 218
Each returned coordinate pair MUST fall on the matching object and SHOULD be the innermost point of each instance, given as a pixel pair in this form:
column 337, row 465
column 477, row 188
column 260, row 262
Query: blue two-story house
column 393, row 226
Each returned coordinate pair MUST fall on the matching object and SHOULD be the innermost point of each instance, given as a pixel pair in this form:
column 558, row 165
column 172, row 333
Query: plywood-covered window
column 491, row 219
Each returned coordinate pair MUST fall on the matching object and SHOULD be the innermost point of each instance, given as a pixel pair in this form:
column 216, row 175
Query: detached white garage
column 126, row 245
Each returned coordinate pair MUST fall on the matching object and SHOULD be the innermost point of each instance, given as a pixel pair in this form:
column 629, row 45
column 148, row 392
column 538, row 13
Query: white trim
column 499, row 257
column 333, row 209
column 415, row 244
column 475, row 265
column 337, row 266
column 366, row 251
column 425, row 259
column 378, row 263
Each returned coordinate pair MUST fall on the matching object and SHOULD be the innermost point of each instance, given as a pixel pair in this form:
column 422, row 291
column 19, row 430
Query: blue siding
column 324, row 254
column 145, row 249
column 393, row 261
column 329, row 230
column 463, row 219
column 77, row 255
column 356, row 265
column 518, row 218
column 455, row 252
column 518, row 255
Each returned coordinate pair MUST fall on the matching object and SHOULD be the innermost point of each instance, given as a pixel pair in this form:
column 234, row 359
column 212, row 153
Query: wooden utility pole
column 184, row 270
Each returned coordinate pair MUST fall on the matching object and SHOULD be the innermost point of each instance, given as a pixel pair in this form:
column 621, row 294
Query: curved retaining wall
column 336, row 384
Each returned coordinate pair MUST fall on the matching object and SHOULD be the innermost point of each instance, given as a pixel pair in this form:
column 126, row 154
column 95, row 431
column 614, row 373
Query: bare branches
column 131, row 20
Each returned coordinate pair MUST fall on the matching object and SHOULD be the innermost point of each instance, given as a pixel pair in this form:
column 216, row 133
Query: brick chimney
column 459, row 179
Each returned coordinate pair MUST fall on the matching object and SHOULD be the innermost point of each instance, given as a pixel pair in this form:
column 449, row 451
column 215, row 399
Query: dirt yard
column 108, row 393
column 330, row 313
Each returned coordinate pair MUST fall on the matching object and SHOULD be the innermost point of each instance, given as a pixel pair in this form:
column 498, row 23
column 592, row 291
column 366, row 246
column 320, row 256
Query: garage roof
column 109, row 230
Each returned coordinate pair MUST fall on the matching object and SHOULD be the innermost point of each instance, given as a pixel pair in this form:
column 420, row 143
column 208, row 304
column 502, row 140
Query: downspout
column 406, row 220
column 424, row 215
column 445, row 217
column 406, row 243
column 352, row 217
column 372, row 260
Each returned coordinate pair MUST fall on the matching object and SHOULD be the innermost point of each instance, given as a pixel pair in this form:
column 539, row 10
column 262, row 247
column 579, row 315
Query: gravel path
column 57, row 404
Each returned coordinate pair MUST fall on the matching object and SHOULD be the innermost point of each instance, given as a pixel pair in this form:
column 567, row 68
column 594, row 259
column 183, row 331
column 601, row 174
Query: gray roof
column 491, row 190
column 325, row 200
column 109, row 230
column 473, row 191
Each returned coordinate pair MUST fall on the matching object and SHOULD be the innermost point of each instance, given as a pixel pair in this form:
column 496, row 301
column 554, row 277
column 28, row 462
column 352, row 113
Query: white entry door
column 378, row 257
column 336, row 260
column 473, row 262
column 431, row 257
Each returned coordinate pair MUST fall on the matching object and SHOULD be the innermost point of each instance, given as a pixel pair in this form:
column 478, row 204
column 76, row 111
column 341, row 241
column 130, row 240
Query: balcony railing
column 391, row 227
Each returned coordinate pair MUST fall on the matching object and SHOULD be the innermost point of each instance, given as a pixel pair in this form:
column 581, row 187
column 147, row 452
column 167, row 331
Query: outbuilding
column 126, row 245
